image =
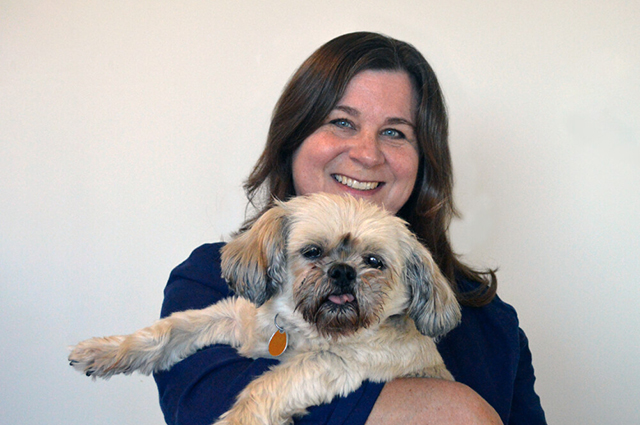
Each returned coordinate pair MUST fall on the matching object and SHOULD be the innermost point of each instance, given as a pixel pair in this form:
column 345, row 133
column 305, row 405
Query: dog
column 337, row 288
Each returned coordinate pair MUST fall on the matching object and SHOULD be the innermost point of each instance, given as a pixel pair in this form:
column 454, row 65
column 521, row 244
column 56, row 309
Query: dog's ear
column 432, row 305
column 254, row 261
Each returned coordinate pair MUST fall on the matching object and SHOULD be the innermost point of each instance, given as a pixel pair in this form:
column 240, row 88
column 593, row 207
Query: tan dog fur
column 390, row 300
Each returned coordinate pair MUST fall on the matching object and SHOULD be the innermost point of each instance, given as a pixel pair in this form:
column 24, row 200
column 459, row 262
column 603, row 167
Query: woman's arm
column 415, row 401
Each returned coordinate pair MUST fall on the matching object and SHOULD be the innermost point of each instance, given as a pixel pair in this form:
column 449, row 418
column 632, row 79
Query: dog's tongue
column 341, row 299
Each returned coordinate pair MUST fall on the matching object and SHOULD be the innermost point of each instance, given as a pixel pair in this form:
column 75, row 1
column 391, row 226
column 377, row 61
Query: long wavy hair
column 312, row 93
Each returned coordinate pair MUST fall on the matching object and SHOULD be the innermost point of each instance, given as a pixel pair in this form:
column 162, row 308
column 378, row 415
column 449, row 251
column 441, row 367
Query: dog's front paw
column 98, row 357
column 438, row 371
column 252, row 420
column 443, row 373
column 256, row 409
column 231, row 421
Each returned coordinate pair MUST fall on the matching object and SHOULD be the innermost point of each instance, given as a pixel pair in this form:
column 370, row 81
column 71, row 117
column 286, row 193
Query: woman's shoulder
column 203, row 265
column 204, row 257
column 495, row 309
column 493, row 330
column 196, row 282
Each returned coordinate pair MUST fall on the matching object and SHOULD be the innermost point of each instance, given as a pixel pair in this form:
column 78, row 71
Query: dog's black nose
column 342, row 274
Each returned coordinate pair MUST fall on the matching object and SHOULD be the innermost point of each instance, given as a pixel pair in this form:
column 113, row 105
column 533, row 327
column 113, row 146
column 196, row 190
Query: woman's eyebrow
column 354, row 112
column 400, row 121
column 348, row 109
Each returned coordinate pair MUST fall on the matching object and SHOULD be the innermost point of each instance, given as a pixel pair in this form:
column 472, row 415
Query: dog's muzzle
column 343, row 277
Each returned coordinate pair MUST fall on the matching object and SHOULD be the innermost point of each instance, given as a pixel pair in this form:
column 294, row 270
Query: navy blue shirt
column 488, row 352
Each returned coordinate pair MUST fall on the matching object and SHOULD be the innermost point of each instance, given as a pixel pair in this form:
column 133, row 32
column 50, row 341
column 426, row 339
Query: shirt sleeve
column 489, row 352
column 526, row 407
column 200, row 388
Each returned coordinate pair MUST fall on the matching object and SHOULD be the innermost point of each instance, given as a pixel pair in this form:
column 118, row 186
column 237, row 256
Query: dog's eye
column 312, row 252
column 374, row 261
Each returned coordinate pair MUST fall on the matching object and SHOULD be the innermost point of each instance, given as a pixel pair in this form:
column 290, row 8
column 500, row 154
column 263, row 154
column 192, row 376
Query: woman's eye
column 311, row 252
column 374, row 261
column 393, row 133
column 342, row 123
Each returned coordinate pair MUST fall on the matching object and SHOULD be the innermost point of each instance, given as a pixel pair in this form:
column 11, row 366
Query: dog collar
column 279, row 340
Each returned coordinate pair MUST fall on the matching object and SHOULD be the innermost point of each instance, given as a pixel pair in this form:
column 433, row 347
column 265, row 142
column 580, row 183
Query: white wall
column 126, row 129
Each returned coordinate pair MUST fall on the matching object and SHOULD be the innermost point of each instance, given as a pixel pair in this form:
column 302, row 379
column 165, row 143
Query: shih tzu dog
column 337, row 288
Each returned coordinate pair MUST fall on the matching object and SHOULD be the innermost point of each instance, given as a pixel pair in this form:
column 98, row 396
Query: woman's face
column 367, row 145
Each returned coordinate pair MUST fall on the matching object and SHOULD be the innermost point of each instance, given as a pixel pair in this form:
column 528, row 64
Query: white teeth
column 355, row 184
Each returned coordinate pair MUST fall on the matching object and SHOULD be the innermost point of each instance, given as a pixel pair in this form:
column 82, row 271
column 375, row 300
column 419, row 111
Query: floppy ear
column 254, row 261
column 433, row 305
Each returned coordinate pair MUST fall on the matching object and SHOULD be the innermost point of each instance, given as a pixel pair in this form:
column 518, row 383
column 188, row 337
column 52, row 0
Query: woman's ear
column 254, row 262
column 433, row 305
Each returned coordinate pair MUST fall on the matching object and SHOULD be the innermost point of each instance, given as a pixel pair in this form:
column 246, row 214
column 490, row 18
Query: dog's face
column 344, row 264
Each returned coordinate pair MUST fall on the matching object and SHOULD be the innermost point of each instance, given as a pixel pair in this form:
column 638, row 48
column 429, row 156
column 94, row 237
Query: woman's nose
column 365, row 149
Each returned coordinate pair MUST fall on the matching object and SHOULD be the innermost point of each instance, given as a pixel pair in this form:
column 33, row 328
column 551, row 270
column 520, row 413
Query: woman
column 365, row 115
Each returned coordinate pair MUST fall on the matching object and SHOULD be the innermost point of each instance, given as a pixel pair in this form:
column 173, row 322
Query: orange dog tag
column 279, row 340
column 278, row 343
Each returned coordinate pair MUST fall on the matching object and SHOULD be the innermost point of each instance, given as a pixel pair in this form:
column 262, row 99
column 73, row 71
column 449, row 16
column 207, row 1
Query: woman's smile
column 355, row 184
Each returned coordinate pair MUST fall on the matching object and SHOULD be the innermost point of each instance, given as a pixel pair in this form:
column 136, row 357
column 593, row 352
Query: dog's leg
column 312, row 378
column 398, row 353
column 285, row 391
column 167, row 341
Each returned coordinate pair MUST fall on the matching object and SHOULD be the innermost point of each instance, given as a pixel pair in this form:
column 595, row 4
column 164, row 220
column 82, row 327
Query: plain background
column 127, row 128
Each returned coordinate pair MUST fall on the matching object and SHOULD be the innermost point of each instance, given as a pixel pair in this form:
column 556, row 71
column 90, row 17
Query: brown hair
column 311, row 94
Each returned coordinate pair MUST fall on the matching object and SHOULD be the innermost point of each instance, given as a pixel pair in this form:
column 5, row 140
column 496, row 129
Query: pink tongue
column 341, row 299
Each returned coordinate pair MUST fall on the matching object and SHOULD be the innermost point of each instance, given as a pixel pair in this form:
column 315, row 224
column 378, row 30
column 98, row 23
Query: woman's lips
column 355, row 184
